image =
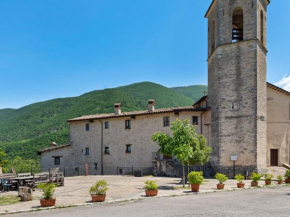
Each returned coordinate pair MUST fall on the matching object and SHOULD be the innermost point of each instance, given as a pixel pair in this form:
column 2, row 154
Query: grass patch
column 7, row 200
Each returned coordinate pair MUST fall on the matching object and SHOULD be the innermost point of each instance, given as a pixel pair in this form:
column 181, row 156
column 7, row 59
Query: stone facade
column 237, row 85
column 116, row 137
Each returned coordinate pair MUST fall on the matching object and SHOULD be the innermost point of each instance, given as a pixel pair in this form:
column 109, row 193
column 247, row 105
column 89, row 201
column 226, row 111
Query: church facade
column 244, row 118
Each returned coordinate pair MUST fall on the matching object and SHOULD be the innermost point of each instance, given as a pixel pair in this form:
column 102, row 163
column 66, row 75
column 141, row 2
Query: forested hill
column 194, row 91
column 26, row 130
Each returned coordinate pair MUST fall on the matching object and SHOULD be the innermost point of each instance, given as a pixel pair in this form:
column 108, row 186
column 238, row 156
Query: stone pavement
column 121, row 188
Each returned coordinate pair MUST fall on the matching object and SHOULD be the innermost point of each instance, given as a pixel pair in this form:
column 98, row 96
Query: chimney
column 53, row 144
column 151, row 105
column 117, row 108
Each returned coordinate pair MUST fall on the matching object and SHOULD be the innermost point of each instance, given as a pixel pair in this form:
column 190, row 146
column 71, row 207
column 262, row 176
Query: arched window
column 262, row 27
column 212, row 36
column 238, row 26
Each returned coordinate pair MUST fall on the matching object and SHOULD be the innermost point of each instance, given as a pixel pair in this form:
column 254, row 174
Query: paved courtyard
column 121, row 188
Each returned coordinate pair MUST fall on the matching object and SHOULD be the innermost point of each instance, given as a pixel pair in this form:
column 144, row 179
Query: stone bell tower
column 237, row 84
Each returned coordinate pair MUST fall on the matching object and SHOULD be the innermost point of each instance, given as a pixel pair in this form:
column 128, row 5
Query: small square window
column 166, row 121
column 195, row 120
column 107, row 125
column 87, row 127
column 107, row 150
column 128, row 124
column 128, row 149
column 56, row 160
column 87, row 151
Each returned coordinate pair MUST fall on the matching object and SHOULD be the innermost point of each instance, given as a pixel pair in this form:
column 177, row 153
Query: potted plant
column 98, row 191
column 268, row 178
column 151, row 188
column 48, row 190
column 240, row 178
column 280, row 180
column 195, row 179
column 221, row 178
column 255, row 179
column 287, row 176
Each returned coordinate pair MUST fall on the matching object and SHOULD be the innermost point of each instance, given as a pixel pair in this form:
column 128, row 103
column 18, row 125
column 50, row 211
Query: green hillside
column 26, row 130
column 194, row 91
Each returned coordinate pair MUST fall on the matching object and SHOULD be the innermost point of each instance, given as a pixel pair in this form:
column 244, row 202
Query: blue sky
column 51, row 49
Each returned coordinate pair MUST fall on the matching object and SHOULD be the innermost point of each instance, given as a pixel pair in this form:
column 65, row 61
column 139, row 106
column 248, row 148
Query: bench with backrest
column 57, row 178
column 40, row 178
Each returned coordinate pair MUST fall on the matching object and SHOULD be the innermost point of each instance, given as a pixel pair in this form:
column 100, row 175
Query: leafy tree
column 22, row 165
column 3, row 160
column 184, row 144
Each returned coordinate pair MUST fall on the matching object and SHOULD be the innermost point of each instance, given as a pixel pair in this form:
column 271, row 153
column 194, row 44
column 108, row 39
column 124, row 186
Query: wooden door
column 274, row 157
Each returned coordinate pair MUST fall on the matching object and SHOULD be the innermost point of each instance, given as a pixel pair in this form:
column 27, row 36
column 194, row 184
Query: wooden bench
column 57, row 178
column 40, row 178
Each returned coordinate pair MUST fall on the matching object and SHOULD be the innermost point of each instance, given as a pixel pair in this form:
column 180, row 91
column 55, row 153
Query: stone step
column 287, row 166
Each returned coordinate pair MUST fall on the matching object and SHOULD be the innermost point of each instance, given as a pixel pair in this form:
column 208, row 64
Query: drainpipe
column 102, row 144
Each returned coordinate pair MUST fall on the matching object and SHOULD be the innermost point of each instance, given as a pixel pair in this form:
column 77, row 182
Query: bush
column 221, row 177
column 195, row 177
column 268, row 177
column 280, row 178
column 48, row 190
column 287, row 174
column 256, row 177
column 240, row 178
column 99, row 188
column 150, row 185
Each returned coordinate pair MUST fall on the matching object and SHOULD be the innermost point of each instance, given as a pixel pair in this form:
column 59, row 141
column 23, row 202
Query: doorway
column 274, row 157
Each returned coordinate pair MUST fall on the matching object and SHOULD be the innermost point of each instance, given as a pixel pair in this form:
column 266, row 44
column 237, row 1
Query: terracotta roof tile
column 135, row 113
column 52, row 148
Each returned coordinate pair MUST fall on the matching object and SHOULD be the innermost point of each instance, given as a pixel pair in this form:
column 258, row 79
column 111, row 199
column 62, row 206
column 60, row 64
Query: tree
column 3, row 160
column 184, row 144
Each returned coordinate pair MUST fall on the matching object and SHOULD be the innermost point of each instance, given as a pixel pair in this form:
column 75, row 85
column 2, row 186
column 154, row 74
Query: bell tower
column 237, row 48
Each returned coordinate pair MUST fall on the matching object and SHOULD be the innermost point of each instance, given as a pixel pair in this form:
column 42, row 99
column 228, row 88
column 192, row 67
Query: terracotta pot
column 47, row 202
column 240, row 185
column 267, row 182
column 220, row 186
column 280, row 182
column 287, row 180
column 151, row 193
column 195, row 187
column 254, row 184
column 98, row 198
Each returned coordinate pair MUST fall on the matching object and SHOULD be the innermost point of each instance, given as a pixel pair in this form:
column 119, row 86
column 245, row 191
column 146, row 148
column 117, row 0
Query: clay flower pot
column 98, row 198
column 220, row 186
column 47, row 202
column 287, row 180
column 195, row 187
column 151, row 193
column 254, row 184
column 280, row 182
column 267, row 182
column 240, row 185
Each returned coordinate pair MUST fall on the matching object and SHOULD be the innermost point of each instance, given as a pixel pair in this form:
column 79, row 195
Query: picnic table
column 23, row 181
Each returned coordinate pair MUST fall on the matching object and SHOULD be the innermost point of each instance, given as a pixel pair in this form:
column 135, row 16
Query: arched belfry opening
column 238, row 26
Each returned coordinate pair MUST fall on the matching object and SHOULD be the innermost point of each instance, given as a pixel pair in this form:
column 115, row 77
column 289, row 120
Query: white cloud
column 284, row 83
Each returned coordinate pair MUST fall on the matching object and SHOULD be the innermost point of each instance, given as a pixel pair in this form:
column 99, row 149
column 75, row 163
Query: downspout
column 102, row 144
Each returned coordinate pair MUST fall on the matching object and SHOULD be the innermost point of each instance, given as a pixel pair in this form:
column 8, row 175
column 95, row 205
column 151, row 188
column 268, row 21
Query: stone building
column 244, row 118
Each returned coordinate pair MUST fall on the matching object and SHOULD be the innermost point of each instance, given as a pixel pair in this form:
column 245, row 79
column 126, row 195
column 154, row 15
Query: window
column 128, row 149
column 195, row 120
column 166, row 121
column 107, row 125
column 238, row 26
column 107, row 150
column 87, row 127
column 212, row 36
column 262, row 27
column 128, row 124
column 56, row 160
column 87, row 151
